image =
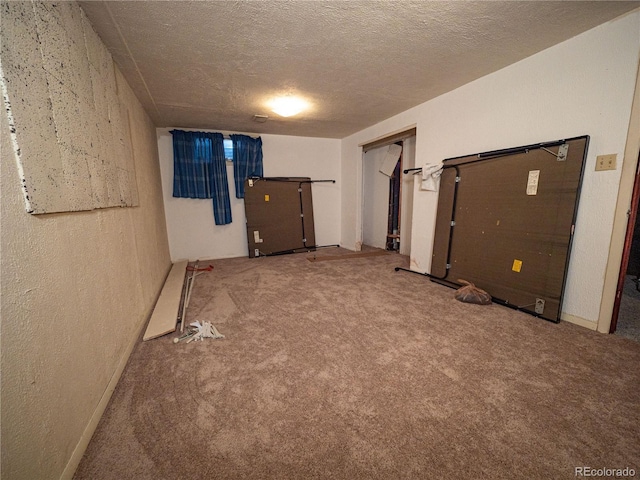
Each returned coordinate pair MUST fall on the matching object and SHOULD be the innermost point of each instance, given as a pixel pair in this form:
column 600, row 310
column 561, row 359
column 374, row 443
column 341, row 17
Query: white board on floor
column 165, row 314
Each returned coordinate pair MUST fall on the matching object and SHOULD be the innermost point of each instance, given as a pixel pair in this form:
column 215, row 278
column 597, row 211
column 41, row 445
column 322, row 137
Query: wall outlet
column 606, row 162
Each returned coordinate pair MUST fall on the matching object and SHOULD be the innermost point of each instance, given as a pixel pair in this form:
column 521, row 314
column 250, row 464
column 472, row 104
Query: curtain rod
column 226, row 136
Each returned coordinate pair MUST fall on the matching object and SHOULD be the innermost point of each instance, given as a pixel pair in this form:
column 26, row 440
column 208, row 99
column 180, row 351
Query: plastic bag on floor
column 469, row 293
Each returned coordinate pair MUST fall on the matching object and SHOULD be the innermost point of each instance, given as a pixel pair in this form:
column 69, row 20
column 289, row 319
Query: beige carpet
column 628, row 325
column 350, row 370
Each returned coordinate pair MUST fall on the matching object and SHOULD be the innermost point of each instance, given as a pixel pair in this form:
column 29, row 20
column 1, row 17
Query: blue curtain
column 247, row 160
column 200, row 171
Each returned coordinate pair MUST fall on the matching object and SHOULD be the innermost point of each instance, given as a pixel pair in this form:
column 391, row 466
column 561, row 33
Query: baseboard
column 583, row 322
column 83, row 443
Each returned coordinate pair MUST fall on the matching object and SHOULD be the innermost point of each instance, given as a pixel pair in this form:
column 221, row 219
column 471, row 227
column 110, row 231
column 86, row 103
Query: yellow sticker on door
column 517, row 266
column 266, row 198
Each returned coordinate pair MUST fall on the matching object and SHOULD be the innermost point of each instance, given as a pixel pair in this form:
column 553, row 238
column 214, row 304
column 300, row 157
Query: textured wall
column 76, row 290
column 70, row 133
column 583, row 86
column 190, row 225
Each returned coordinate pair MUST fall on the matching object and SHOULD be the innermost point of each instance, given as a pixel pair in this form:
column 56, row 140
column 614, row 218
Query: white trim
column 583, row 322
column 390, row 134
column 359, row 202
column 621, row 218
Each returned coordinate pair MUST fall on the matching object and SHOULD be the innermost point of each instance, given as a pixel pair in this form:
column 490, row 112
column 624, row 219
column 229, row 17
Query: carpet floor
column 350, row 370
column 629, row 316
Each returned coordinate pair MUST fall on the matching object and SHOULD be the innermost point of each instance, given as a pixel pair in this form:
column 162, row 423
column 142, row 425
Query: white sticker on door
column 532, row 182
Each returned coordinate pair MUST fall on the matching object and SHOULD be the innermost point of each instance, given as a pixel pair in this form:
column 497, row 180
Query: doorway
column 387, row 195
column 625, row 319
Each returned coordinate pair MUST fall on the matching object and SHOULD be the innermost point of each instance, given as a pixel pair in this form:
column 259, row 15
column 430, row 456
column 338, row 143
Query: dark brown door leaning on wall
column 279, row 213
column 505, row 222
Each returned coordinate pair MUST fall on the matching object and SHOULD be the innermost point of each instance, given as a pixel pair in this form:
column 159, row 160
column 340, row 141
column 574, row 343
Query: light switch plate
column 606, row 162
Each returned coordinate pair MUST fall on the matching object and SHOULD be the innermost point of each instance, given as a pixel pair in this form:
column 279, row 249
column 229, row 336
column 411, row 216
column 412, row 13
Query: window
column 228, row 149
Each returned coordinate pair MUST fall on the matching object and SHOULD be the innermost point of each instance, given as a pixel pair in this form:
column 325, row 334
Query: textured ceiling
column 215, row 64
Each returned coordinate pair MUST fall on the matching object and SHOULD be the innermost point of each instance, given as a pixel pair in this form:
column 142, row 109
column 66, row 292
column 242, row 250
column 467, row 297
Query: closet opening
column 387, row 194
column 625, row 318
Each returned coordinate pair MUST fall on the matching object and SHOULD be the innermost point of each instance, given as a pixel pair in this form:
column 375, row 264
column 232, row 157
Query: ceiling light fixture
column 288, row 106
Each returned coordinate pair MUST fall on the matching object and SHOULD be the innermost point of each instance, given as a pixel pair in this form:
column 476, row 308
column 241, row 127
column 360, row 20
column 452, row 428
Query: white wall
column 582, row 86
column 190, row 224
